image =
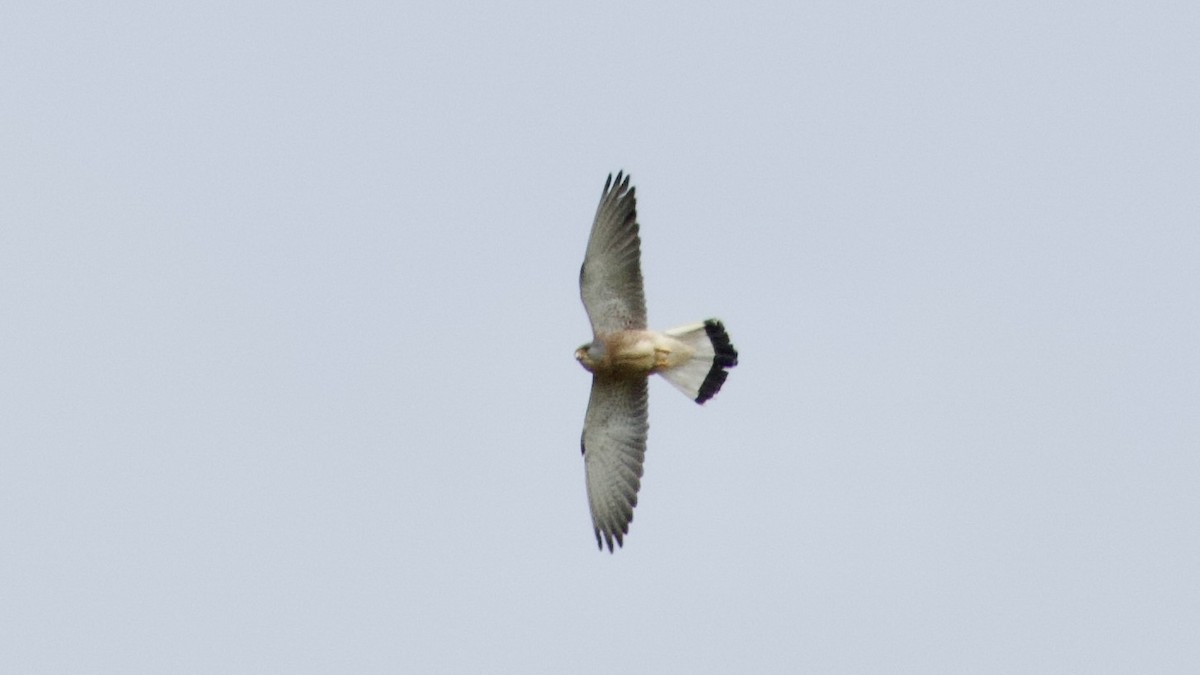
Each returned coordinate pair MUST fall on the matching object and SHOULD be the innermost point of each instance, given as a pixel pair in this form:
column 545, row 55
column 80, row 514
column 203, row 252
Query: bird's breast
column 629, row 352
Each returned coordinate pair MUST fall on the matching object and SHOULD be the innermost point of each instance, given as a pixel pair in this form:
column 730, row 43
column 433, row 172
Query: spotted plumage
column 622, row 354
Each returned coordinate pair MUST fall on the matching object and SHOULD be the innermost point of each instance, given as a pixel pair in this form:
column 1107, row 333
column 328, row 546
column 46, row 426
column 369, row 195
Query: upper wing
column 614, row 447
column 610, row 281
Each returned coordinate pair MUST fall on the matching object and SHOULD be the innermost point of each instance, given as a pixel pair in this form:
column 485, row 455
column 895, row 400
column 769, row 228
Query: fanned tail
column 700, row 376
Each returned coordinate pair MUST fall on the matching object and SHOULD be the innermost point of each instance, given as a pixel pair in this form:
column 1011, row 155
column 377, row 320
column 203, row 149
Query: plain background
column 288, row 302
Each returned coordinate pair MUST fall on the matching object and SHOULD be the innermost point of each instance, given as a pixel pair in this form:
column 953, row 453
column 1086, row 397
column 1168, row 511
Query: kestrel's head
column 590, row 355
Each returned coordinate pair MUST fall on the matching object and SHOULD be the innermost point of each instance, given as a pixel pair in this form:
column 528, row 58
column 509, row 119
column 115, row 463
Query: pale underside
column 693, row 358
column 614, row 429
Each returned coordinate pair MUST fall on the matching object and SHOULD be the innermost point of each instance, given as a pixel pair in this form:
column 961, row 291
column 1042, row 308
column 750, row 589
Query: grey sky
column 288, row 304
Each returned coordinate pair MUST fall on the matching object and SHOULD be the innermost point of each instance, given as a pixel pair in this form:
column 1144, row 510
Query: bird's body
column 622, row 354
column 635, row 353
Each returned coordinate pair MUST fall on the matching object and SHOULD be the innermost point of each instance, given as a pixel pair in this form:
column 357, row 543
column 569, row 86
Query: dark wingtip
column 619, row 184
column 608, row 538
column 725, row 357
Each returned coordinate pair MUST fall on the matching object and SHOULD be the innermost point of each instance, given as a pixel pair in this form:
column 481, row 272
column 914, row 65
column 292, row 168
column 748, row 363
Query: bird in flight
column 623, row 354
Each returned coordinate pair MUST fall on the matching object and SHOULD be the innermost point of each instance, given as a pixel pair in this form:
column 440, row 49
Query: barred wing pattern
column 610, row 280
column 614, row 447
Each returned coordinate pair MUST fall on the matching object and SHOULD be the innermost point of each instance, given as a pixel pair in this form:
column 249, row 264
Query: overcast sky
column 288, row 301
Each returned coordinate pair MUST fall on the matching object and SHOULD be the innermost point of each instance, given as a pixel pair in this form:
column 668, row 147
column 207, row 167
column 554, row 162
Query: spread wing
column 614, row 447
column 610, row 281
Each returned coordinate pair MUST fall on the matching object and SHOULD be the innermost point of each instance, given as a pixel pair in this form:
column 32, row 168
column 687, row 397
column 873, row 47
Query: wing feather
column 614, row 449
column 610, row 280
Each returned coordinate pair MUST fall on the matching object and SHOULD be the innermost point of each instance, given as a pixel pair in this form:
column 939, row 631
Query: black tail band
column 725, row 357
